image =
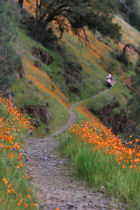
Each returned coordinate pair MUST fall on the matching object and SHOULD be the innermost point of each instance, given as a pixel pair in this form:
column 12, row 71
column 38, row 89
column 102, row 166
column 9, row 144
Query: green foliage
column 9, row 61
column 134, row 103
column 20, row 2
column 131, row 9
column 121, row 56
column 97, row 170
column 24, row 94
column 134, row 18
column 110, row 107
column 130, row 3
column 14, row 185
column 117, row 94
column 74, row 15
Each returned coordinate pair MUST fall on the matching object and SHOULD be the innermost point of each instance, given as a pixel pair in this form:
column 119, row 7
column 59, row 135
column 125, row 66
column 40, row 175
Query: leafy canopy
column 75, row 15
column 135, row 101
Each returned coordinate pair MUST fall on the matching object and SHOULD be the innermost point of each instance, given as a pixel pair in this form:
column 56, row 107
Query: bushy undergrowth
column 15, row 187
column 104, row 161
column 9, row 61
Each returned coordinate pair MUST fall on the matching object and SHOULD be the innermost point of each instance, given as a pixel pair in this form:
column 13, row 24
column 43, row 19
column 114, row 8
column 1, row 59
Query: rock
column 73, row 68
column 75, row 90
column 72, row 76
column 118, row 121
column 100, row 39
column 47, row 130
column 40, row 112
column 102, row 189
column 36, row 123
column 30, row 82
column 43, row 55
column 20, row 72
column 63, row 162
column 37, row 64
column 30, row 132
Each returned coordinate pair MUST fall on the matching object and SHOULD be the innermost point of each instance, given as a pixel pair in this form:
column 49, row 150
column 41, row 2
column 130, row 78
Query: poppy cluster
column 104, row 141
column 44, row 82
column 13, row 126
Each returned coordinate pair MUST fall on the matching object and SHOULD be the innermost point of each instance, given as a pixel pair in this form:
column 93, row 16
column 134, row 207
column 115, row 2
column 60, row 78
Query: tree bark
column 132, row 47
column 20, row 3
column 37, row 9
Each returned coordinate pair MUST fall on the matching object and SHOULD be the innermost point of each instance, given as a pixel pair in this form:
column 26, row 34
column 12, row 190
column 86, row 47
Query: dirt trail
column 51, row 176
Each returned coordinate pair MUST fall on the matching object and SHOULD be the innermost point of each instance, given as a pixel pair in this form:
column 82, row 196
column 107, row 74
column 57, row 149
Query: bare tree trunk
column 20, row 3
column 132, row 47
column 37, row 9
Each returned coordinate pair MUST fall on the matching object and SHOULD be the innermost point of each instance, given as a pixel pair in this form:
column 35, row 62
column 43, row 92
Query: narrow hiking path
column 51, row 176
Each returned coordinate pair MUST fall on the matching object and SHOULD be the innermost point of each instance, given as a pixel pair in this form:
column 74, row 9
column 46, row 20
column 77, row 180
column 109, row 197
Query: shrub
column 120, row 56
column 134, row 18
column 9, row 61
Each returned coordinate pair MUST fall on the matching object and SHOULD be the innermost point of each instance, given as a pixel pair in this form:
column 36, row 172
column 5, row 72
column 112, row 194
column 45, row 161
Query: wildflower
column 12, row 155
column 18, row 203
column 137, row 140
column 28, row 196
column 25, row 204
column 5, row 181
column 123, row 166
column 21, row 164
column 17, row 166
column 27, row 177
column 9, row 186
column 13, row 190
column 9, row 191
column 105, row 142
column 33, row 205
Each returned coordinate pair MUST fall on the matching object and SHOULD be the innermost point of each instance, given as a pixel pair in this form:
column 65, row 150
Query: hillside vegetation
column 93, row 61
column 15, row 188
column 100, row 158
column 52, row 69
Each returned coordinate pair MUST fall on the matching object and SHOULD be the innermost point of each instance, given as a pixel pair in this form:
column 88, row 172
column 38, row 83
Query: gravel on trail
column 51, row 176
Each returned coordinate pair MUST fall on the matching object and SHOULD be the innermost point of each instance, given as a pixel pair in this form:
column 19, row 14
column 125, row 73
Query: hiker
column 109, row 80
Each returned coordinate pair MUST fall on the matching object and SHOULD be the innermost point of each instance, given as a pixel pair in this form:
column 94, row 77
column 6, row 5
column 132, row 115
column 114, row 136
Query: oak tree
column 75, row 15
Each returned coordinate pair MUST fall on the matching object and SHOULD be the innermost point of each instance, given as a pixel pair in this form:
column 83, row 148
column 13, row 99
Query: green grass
column 97, row 170
column 89, row 86
column 14, row 185
column 28, row 94
column 118, row 93
column 92, row 74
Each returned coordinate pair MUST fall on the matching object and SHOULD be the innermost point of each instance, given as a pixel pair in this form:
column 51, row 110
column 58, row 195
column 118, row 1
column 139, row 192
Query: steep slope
column 38, row 88
column 57, row 84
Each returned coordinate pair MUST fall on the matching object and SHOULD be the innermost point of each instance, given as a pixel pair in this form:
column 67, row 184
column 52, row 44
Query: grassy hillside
column 100, row 159
column 77, row 71
column 38, row 88
column 54, row 85
column 15, row 188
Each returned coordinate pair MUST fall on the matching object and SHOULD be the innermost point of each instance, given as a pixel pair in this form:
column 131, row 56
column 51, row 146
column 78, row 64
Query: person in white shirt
column 109, row 80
